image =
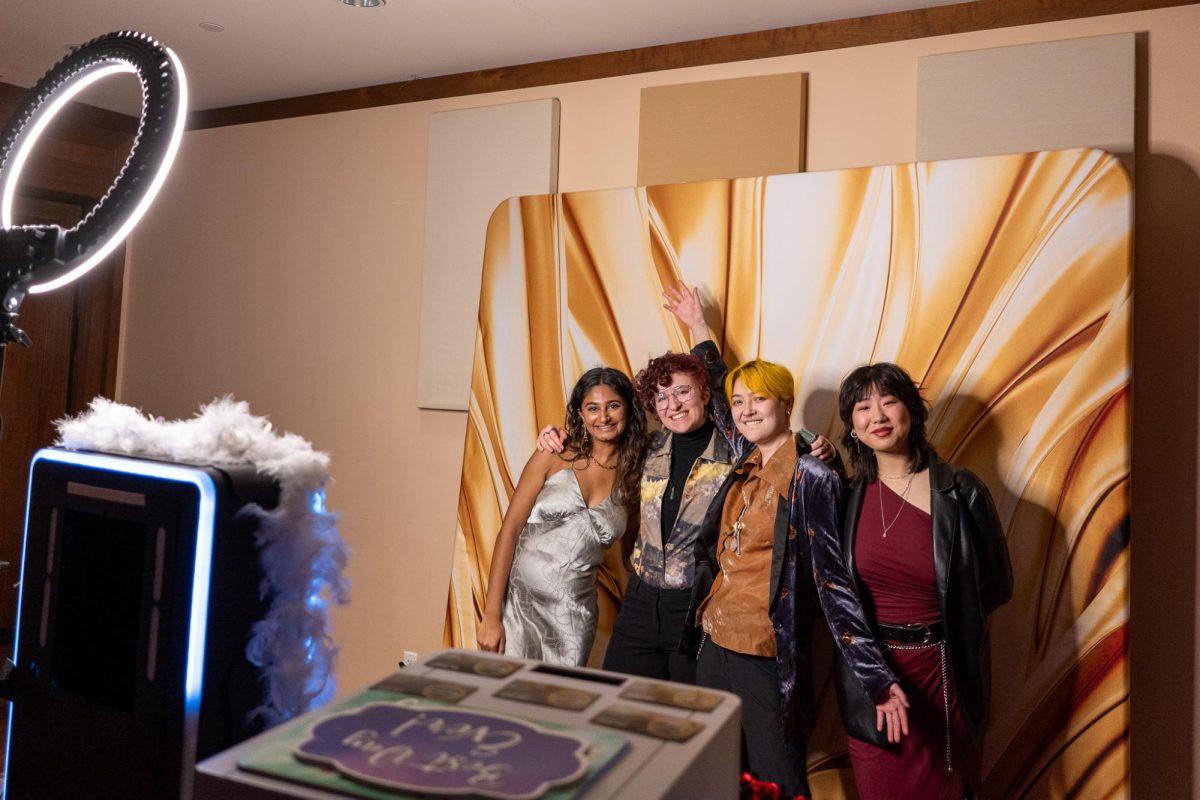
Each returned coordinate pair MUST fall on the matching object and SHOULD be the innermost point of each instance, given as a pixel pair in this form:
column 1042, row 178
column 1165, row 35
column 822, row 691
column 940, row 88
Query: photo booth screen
column 101, row 569
column 1002, row 284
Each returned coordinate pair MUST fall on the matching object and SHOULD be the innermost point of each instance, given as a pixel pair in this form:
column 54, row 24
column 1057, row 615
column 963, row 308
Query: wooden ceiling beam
column 857, row 32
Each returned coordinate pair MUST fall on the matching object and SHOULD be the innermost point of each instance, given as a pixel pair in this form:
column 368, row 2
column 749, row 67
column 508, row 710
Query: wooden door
column 73, row 359
column 75, row 329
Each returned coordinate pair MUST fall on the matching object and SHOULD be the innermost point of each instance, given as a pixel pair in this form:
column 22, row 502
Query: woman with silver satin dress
column 565, row 512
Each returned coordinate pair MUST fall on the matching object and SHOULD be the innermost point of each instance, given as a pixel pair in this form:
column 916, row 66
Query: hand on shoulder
column 551, row 439
column 823, row 449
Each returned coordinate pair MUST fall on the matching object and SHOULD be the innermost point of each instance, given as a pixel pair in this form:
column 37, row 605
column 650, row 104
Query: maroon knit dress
column 899, row 576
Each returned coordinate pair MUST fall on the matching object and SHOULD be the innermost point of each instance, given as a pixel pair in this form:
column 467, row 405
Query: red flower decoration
column 754, row 789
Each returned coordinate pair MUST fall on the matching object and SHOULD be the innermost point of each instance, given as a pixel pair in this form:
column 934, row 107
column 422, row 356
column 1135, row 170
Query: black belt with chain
column 919, row 637
column 932, row 633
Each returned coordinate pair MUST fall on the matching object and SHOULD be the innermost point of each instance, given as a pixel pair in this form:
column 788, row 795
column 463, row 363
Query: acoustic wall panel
column 722, row 129
column 1070, row 93
column 477, row 158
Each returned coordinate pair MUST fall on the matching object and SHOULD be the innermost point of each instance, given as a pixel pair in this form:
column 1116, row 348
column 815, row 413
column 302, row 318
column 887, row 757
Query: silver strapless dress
column 550, row 609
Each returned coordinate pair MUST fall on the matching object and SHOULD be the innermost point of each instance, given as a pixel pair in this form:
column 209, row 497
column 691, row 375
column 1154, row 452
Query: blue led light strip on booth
column 201, row 578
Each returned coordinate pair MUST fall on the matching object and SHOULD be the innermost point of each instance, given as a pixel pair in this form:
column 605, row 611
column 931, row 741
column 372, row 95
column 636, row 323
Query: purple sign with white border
column 445, row 751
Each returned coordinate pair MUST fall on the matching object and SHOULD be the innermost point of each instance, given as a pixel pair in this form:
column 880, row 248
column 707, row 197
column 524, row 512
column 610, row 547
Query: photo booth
column 140, row 586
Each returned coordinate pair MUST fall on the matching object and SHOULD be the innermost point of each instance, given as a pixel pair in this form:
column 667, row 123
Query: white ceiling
column 270, row 49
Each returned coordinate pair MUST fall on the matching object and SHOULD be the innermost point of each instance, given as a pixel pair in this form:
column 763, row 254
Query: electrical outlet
column 409, row 659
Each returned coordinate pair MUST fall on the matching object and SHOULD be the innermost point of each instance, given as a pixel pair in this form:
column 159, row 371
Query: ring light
column 39, row 258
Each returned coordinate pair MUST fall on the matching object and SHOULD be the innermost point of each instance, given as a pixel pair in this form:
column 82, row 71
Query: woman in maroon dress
column 926, row 551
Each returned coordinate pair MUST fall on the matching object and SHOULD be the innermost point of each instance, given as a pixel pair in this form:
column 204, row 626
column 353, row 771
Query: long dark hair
column 884, row 378
column 631, row 447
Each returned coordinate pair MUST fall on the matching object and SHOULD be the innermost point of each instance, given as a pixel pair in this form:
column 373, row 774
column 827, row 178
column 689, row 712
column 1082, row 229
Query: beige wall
column 282, row 265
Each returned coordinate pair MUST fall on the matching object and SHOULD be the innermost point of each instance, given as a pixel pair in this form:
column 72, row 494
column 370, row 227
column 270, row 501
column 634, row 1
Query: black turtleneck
column 685, row 449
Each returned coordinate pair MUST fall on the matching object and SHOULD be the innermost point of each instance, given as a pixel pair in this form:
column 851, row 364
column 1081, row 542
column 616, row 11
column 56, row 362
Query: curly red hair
column 657, row 374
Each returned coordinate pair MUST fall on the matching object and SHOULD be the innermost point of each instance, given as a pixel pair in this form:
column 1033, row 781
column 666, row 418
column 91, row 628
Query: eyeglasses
column 682, row 394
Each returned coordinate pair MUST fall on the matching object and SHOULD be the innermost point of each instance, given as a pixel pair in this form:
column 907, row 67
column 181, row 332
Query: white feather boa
column 301, row 552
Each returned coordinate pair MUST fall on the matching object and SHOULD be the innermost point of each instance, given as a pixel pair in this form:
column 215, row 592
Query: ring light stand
column 40, row 258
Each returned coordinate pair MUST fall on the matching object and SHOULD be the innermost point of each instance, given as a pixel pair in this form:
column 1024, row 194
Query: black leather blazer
column 974, row 577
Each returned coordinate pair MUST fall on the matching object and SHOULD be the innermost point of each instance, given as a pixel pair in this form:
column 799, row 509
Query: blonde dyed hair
column 764, row 378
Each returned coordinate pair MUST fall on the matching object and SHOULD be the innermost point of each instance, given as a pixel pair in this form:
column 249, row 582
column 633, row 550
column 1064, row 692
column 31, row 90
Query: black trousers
column 646, row 634
column 766, row 753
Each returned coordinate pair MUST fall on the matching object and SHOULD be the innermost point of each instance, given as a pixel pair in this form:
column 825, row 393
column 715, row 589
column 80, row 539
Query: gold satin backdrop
column 1002, row 284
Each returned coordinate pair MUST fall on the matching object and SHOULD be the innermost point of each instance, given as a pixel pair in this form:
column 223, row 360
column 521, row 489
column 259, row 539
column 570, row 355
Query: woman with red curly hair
column 687, row 459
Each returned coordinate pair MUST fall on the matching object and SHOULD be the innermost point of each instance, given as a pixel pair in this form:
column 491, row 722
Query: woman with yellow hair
column 769, row 539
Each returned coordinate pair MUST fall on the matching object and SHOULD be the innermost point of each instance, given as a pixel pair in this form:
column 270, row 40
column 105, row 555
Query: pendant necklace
column 887, row 526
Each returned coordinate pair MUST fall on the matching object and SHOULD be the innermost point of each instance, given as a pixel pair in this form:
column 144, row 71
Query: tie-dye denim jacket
column 672, row 566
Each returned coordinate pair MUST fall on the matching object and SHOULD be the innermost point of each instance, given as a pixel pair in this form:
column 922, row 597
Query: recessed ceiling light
column 364, row 3
column 213, row 27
